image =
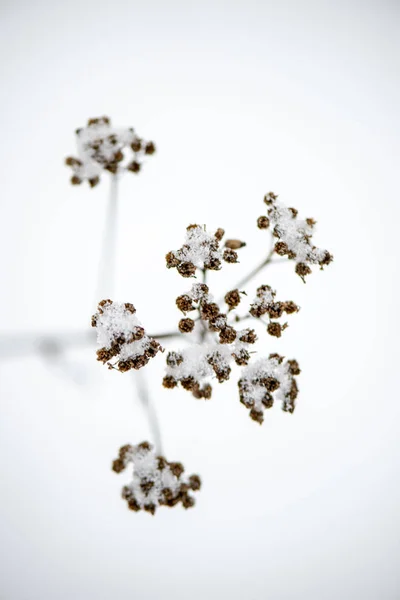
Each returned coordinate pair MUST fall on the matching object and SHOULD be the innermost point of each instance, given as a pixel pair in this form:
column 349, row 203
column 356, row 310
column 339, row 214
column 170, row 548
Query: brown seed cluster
column 269, row 380
column 294, row 236
column 265, row 303
column 155, row 481
column 122, row 337
column 232, row 299
column 201, row 250
column 102, row 147
column 193, row 366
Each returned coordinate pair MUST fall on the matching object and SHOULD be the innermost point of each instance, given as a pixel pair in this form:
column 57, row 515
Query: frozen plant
column 218, row 336
column 122, row 337
column 214, row 341
column 155, row 481
column 295, row 236
column 103, row 147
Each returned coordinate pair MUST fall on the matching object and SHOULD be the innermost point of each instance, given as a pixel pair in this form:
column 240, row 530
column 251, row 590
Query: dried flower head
column 267, row 380
column 265, row 303
column 195, row 366
column 295, row 236
column 122, row 337
column 155, row 481
column 201, row 250
column 102, row 147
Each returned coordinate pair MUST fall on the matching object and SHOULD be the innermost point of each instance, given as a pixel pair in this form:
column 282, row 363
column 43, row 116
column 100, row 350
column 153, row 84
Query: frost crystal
column 102, row 147
column 155, row 481
column 295, row 236
column 122, row 337
column 266, row 380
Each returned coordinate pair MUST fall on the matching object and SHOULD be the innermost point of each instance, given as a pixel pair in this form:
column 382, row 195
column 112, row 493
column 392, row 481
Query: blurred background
column 240, row 98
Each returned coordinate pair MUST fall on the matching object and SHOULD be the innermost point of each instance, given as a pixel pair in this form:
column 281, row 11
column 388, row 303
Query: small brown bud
column 227, row 335
column 169, row 382
column 146, row 486
column 202, row 393
column 134, row 167
column 187, row 501
column 232, row 299
column 281, row 248
column 294, row 212
column 209, row 310
column 188, row 383
column 150, row 148
column 136, row 145
column 144, row 446
column 94, row 181
column 194, row 482
column 174, row 359
column 327, row 259
column 294, row 367
column 105, row 354
column 186, row 325
column 150, row 508
column 186, row 269
column 133, row 505
column 302, row 270
column 274, row 329
column 70, row 161
column 213, row 264
column 249, row 337
column 257, row 415
column 290, row 307
column 75, row 180
column 263, row 222
column 242, row 358
column 234, row 244
column 277, row 357
column 130, row 308
column 171, row 260
column 184, row 303
column 268, row 400
column 270, row 383
column 176, row 468
column 118, row 465
column 219, row 234
column 275, row 310
column 137, row 334
column 230, row 256
column 270, row 197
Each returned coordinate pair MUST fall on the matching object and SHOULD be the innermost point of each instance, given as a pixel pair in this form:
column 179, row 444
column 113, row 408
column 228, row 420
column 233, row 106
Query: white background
column 241, row 98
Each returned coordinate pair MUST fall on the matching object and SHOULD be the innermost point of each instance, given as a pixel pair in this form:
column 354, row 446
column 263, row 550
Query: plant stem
column 255, row 271
column 106, row 275
column 143, row 393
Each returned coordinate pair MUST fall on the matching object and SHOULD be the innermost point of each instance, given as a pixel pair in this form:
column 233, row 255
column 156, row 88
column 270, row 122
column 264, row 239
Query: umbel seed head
column 102, row 147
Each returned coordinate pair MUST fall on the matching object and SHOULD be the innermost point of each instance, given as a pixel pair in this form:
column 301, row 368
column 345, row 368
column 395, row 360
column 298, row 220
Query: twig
column 106, row 274
column 143, row 393
column 255, row 271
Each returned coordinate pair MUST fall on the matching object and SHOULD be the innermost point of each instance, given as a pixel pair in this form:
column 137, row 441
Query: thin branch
column 106, row 272
column 255, row 271
column 144, row 396
column 25, row 344
column 165, row 336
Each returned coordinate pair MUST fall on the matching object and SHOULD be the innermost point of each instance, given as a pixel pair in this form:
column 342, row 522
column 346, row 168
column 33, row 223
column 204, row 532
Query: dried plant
column 155, row 481
column 214, row 341
column 218, row 337
column 102, row 147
